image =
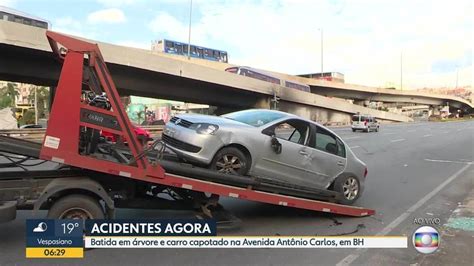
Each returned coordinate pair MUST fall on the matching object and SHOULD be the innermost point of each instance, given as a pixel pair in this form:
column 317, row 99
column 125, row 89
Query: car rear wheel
column 349, row 187
column 230, row 160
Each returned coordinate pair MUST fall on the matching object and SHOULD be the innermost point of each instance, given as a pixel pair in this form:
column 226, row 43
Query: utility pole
column 401, row 70
column 36, row 105
column 275, row 99
column 322, row 49
column 457, row 77
column 189, row 31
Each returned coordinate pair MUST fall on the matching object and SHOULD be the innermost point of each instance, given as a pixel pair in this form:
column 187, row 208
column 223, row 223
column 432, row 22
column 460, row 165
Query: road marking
column 397, row 140
column 352, row 137
column 447, row 161
column 354, row 147
column 427, row 135
column 352, row 257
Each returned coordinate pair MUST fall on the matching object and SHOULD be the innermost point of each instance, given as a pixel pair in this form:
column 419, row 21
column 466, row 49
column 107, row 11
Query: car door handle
column 303, row 153
column 340, row 163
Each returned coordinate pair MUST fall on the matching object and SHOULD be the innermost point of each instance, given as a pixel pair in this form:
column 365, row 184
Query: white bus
column 12, row 15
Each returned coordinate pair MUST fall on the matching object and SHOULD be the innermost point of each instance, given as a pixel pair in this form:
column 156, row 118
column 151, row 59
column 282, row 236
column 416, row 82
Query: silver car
column 269, row 144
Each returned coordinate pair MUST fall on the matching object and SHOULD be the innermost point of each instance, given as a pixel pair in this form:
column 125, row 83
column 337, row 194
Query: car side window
column 327, row 142
column 295, row 131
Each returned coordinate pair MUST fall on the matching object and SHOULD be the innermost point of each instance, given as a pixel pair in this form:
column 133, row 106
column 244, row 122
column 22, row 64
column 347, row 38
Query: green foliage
column 28, row 118
column 43, row 100
column 7, row 95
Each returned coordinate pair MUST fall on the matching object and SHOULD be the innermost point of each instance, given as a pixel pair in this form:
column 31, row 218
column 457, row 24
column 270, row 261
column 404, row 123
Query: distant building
column 465, row 92
column 329, row 76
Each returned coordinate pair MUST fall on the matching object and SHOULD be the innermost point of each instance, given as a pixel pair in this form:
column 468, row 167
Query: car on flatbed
column 269, row 144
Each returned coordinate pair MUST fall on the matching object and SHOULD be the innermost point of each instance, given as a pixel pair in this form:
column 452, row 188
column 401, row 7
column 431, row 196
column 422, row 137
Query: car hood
column 217, row 120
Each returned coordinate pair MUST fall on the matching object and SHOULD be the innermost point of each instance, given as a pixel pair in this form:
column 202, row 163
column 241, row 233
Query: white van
column 365, row 123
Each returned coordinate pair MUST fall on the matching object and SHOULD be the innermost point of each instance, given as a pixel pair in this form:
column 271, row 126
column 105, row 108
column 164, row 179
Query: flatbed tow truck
column 94, row 177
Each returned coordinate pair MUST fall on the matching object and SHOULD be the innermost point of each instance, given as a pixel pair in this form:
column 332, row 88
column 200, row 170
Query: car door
column 291, row 165
column 371, row 123
column 327, row 155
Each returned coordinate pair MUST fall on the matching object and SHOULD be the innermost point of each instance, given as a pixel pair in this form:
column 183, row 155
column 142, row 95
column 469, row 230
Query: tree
column 42, row 101
column 8, row 95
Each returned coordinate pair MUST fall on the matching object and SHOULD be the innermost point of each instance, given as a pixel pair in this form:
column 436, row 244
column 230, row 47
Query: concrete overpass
column 357, row 92
column 26, row 57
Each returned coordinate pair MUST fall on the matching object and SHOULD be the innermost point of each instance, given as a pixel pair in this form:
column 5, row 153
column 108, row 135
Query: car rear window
column 355, row 118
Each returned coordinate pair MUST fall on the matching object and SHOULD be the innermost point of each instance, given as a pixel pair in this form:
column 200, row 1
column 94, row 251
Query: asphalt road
column 415, row 170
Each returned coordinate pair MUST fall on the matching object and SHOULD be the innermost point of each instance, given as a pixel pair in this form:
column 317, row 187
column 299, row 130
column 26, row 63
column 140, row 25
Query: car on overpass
column 270, row 144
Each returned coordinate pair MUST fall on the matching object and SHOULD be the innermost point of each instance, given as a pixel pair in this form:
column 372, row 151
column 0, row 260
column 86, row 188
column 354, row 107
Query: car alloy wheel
column 229, row 164
column 350, row 188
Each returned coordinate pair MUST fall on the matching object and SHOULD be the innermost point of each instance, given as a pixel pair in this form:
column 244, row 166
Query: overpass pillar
column 264, row 103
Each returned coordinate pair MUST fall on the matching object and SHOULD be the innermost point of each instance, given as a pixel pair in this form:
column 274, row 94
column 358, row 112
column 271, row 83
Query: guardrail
column 37, row 134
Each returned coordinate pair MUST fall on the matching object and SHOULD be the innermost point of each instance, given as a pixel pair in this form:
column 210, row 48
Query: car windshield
column 254, row 118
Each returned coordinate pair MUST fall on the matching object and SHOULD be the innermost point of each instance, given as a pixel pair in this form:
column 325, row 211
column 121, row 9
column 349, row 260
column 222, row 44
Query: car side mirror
column 276, row 145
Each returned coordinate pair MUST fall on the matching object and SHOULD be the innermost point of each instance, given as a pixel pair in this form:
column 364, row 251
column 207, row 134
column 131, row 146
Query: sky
column 369, row 41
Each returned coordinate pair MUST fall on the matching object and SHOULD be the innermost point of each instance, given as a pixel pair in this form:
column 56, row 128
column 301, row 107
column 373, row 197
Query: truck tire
column 7, row 211
column 76, row 206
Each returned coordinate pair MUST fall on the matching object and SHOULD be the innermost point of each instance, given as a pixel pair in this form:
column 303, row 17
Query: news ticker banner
column 47, row 238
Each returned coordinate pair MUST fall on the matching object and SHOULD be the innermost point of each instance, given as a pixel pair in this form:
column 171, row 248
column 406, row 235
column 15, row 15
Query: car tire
column 377, row 129
column 353, row 130
column 230, row 160
column 345, row 184
column 76, row 206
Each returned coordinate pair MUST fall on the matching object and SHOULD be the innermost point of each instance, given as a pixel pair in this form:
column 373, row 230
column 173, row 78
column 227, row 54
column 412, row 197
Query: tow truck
column 92, row 179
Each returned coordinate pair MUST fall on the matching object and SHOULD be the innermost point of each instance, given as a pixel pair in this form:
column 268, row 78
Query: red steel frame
column 64, row 123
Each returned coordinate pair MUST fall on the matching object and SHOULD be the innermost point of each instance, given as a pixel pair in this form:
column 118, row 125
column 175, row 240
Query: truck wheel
column 76, row 207
column 7, row 211
column 349, row 187
column 230, row 160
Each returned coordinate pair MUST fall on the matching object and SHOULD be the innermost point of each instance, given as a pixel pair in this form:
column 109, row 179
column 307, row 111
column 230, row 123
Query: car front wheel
column 349, row 187
column 230, row 160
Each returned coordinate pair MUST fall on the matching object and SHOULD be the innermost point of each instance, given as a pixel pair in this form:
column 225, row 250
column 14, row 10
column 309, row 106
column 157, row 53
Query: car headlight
column 204, row 128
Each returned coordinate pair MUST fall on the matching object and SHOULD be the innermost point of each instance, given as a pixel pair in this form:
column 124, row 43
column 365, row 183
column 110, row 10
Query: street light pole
column 457, row 77
column 36, row 105
column 322, row 59
column 401, row 70
column 189, row 31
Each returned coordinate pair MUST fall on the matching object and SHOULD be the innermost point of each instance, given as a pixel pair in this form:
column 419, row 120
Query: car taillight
column 365, row 172
column 365, row 122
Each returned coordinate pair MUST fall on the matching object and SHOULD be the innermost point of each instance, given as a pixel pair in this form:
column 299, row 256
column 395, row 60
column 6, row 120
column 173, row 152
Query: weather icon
column 42, row 227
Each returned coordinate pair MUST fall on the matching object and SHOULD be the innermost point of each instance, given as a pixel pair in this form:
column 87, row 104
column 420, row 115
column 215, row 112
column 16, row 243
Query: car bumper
column 190, row 145
column 359, row 126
